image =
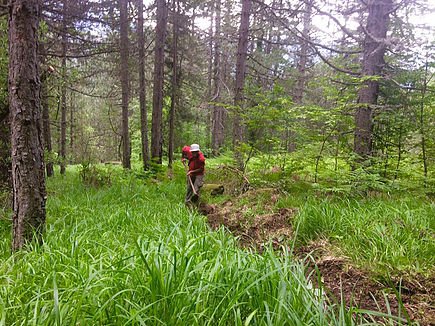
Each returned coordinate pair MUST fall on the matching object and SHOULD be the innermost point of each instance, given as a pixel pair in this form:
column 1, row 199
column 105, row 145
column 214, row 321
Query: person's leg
column 199, row 181
column 189, row 192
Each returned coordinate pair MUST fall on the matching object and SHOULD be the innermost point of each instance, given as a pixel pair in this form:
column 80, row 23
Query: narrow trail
column 340, row 279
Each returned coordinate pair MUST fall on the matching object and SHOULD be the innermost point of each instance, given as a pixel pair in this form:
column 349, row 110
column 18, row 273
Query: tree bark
column 142, row 89
column 159, row 62
column 303, row 55
column 63, row 90
column 46, row 122
column 72, row 97
column 242, row 50
column 29, row 194
column 174, row 82
column 209, row 78
column 124, row 82
column 218, row 127
column 422, row 124
column 372, row 65
column 63, row 118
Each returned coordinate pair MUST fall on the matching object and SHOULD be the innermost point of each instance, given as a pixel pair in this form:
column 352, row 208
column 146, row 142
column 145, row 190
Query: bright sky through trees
column 421, row 16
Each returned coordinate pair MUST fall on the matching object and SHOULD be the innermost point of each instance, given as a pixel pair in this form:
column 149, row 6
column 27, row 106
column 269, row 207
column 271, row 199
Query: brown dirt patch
column 339, row 278
column 252, row 230
column 358, row 288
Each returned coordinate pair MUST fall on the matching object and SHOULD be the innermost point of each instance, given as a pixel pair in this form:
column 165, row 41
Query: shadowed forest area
column 316, row 120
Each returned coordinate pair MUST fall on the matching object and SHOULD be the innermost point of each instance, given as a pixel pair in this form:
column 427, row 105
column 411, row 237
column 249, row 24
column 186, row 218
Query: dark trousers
column 197, row 182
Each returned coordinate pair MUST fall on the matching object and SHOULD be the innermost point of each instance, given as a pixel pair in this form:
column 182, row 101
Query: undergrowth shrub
column 94, row 175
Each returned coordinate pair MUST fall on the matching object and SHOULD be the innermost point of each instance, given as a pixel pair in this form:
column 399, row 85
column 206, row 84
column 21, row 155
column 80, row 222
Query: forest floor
column 257, row 223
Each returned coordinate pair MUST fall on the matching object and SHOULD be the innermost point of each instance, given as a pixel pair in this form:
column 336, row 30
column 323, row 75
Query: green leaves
column 133, row 254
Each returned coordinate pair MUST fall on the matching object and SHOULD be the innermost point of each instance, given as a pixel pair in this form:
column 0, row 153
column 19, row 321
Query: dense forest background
column 339, row 92
column 317, row 120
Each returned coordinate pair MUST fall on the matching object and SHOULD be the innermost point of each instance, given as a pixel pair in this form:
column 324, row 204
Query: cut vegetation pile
column 251, row 229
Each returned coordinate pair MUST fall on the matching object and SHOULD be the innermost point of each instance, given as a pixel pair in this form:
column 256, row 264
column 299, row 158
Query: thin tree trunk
column 399, row 154
column 373, row 62
column 174, row 83
column 242, row 49
column 301, row 77
column 193, row 21
column 303, row 55
column 46, row 122
column 209, row 79
column 71, row 122
column 218, row 132
column 124, row 83
column 422, row 130
column 142, row 89
column 318, row 157
column 270, row 31
column 159, row 62
column 26, row 126
column 57, row 119
column 385, row 151
column 63, row 93
column 337, row 151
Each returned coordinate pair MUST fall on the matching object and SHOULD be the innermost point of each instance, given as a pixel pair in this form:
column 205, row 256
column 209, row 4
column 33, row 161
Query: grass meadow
column 131, row 253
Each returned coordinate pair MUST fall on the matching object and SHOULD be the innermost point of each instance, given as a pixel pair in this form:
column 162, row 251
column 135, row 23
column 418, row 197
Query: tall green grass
column 384, row 235
column 132, row 254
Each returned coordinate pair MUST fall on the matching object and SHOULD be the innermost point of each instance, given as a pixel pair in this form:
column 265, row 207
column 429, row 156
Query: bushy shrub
column 94, row 175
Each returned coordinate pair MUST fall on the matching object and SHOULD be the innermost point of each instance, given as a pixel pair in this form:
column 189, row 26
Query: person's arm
column 194, row 171
column 200, row 169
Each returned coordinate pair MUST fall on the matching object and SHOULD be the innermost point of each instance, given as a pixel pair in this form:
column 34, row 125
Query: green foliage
column 133, row 254
column 51, row 157
column 95, row 175
column 266, row 118
column 385, row 235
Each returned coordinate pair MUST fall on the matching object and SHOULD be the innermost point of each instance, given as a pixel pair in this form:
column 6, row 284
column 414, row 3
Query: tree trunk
column 63, row 91
column 57, row 119
column 142, row 89
column 242, row 49
column 71, row 123
column 218, row 127
column 372, row 65
column 26, row 126
column 303, row 55
column 159, row 62
column 301, row 77
column 422, row 119
column 124, row 82
column 174, row 82
column 46, row 122
column 209, row 79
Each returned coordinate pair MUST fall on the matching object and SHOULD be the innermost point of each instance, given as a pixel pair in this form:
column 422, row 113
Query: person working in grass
column 195, row 174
